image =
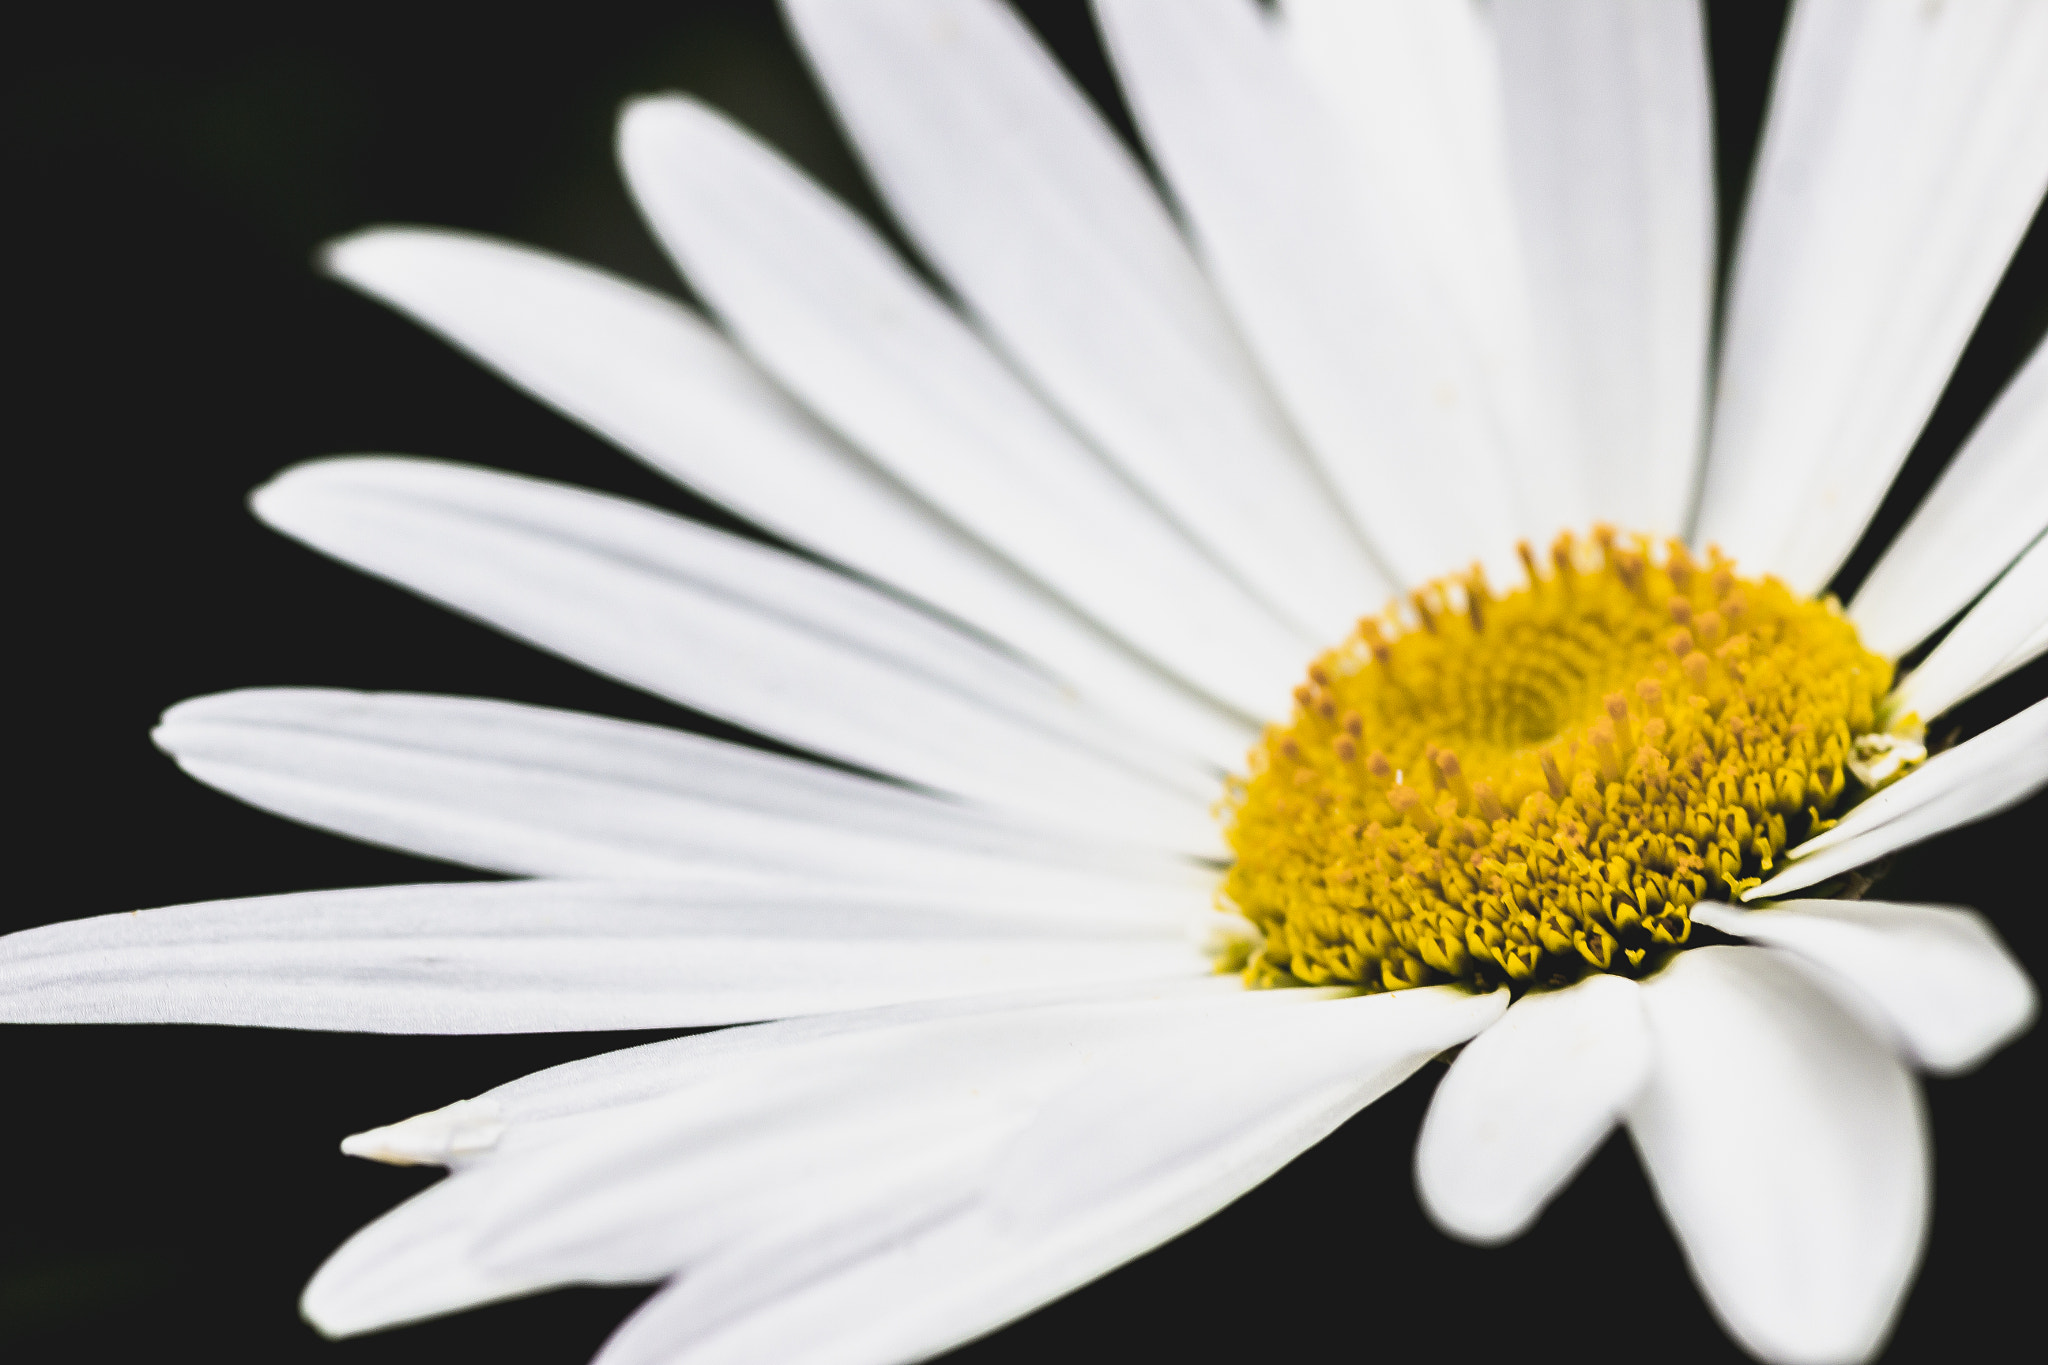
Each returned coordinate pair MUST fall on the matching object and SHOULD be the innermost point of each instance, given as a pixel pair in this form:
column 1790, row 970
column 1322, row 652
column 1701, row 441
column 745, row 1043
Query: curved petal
column 819, row 300
column 546, row 1106
column 738, row 630
column 1938, row 978
column 537, row 792
column 516, row 957
column 1989, row 503
column 1014, row 187
column 650, row 375
column 1978, row 778
column 693, row 1153
column 1997, row 636
column 1409, row 414
column 1161, row 1136
column 1788, row 1149
column 1905, row 151
column 1526, row 1102
column 1610, row 146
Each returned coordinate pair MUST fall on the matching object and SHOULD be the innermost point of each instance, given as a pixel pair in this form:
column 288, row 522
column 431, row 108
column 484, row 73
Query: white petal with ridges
column 1995, row 637
column 1905, row 151
column 821, row 302
column 1402, row 407
column 1156, row 1140
column 647, row 373
column 637, row 1164
column 1937, row 977
column 1978, row 778
column 1526, row 1103
column 1610, row 151
column 741, row 631
column 511, row 957
column 1788, row 1149
column 1415, row 90
column 539, row 792
column 1021, row 195
column 1988, row 504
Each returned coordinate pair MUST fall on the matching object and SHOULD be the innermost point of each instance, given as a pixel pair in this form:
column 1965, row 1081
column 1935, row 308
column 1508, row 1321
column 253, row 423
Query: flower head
column 1436, row 294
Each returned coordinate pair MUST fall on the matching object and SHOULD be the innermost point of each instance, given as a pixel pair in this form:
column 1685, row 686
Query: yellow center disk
column 1524, row 787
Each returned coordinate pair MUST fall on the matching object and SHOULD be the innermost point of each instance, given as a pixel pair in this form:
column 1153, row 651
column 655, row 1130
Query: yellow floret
column 1520, row 788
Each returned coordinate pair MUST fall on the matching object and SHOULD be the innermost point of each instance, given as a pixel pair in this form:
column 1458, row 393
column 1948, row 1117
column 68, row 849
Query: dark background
column 174, row 1187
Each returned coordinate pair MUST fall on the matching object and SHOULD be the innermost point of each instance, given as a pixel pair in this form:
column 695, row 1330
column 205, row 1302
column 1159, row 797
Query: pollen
column 1519, row 788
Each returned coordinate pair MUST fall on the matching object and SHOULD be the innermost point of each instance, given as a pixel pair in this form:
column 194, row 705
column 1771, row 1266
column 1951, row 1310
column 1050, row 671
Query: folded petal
column 1998, row 635
column 1978, row 778
column 1988, row 504
column 513, row 957
column 649, row 374
column 1788, row 1148
column 741, row 631
column 539, row 792
column 1610, row 149
column 821, row 302
column 1936, row 978
column 1158, row 1138
column 1010, row 182
column 1526, row 1102
column 1905, row 151
column 1405, row 409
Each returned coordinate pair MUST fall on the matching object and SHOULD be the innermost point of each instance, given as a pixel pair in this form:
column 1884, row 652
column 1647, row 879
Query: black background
column 172, row 1188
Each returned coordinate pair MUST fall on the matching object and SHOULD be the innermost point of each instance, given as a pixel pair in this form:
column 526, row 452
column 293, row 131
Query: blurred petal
column 1610, row 143
column 1158, row 1138
column 1998, row 635
column 1978, row 778
column 822, row 303
column 738, row 630
column 1905, row 151
column 1392, row 398
column 1788, row 1149
column 1015, row 188
column 539, row 792
column 514, row 957
column 1938, row 978
column 648, row 374
column 1526, row 1102
column 681, row 1155
column 1990, row 501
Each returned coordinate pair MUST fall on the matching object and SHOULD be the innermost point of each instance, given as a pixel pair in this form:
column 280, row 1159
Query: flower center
column 1528, row 786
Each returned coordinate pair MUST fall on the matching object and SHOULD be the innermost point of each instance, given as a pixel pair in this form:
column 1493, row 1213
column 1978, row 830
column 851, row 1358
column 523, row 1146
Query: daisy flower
column 1134, row 859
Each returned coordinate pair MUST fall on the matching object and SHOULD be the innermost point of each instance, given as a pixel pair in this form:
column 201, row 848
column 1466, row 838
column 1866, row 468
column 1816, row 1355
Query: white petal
column 647, row 373
column 819, row 300
column 538, row 792
column 738, row 630
column 676, row 1155
column 1992, row 640
column 1012, row 184
column 1905, row 151
column 1978, row 778
column 1788, row 1149
column 1990, row 501
column 509, row 957
column 1526, row 1102
column 1610, row 145
column 1403, row 408
column 545, row 1106
column 1415, row 89
column 1941, row 982
column 1154, row 1141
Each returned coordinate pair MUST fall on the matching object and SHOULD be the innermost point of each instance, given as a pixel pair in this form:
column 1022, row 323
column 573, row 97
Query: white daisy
column 1439, row 282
